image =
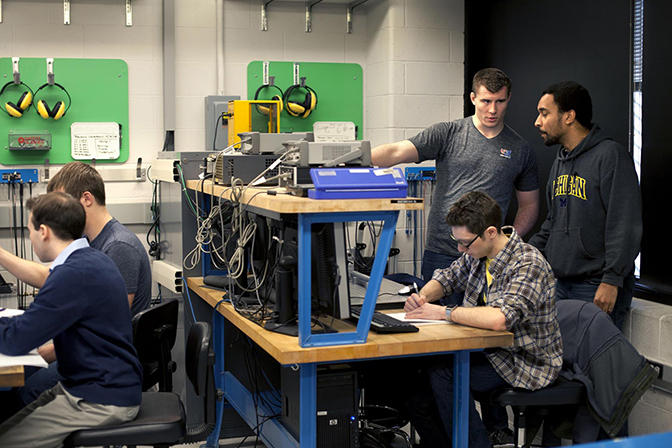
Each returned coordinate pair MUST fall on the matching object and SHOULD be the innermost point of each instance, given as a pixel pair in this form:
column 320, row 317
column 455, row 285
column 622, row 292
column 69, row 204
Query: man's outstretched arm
column 391, row 154
column 29, row 272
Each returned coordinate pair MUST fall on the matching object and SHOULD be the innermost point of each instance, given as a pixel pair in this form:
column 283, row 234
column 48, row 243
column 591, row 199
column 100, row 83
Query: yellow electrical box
column 248, row 116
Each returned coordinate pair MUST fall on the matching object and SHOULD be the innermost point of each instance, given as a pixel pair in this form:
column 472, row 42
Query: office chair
column 593, row 349
column 380, row 425
column 154, row 333
column 381, row 415
column 561, row 392
column 161, row 420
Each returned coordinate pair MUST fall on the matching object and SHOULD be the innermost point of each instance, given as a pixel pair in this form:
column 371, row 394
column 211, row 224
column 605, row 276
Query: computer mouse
column 406, row 290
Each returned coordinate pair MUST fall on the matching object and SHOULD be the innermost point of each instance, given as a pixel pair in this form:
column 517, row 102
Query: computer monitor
column 330, row 294
column 330, row 286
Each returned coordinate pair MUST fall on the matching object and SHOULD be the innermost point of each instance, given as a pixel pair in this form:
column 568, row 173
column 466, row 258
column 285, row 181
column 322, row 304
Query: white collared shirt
column 80, row 243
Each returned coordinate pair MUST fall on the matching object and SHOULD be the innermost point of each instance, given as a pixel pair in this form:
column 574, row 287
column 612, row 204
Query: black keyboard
column 382, row 323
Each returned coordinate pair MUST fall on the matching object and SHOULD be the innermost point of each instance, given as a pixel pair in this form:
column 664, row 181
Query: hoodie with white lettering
column 594, row 225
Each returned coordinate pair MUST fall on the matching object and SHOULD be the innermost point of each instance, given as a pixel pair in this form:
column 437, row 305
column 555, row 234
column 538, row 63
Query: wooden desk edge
column 286, row 350
column 283, row 203
column 11, row 376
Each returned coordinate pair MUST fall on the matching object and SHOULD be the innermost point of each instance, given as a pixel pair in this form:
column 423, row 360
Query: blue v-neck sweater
column 83, row 307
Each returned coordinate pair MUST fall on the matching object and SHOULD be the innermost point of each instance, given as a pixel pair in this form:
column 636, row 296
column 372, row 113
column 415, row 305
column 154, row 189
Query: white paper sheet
column 402, row 317
column 30, row 359
column 9, row 312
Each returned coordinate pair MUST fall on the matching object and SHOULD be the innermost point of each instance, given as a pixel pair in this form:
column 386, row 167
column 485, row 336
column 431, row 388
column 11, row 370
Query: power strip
column 19, row 176
column 420, row 173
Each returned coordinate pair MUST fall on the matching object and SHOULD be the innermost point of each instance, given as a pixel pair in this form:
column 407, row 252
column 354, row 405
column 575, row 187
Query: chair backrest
column 199, row 366
column 154, row 334
column 199, row 357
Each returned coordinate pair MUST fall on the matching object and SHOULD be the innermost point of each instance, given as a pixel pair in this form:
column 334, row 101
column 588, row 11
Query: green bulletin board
column 99, row 92
column 339, row 89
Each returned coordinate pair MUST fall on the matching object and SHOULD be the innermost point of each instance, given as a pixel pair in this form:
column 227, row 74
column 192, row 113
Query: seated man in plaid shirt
column 508, row 285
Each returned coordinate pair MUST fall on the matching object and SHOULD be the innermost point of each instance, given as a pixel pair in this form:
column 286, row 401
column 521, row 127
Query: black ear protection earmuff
column 302, row 109
column 25, row 100
column 58, row 110
column 265, row 110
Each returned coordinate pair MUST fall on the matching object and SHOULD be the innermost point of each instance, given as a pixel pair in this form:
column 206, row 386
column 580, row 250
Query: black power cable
column 21, row 287
column 155, row 229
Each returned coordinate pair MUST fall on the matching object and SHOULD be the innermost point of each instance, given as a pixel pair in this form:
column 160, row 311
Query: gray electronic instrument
column 319, row 154
column 255, row 143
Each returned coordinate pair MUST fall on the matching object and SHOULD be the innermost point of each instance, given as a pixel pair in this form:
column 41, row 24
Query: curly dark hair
column 476, row 211
column 569, row 95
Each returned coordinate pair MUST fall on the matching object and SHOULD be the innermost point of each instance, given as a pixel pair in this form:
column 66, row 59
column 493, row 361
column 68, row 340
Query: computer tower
column 337, row 420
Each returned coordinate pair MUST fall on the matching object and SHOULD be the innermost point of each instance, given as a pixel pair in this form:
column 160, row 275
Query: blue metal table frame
column 306, row 220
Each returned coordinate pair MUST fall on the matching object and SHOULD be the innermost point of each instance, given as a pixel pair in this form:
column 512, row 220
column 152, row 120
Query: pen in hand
column 412, row 303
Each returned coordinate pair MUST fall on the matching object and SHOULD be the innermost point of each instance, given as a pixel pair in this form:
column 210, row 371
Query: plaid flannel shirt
column 523, row 288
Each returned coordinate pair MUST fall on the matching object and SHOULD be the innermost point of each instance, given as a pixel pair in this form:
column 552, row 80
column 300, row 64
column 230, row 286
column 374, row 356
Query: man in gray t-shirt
column 82, row 181
column 468, row 161
column 130, row 257
column 477, row 153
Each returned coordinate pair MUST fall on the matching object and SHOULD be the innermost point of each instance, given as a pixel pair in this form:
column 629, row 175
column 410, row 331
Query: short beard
column 551, row 140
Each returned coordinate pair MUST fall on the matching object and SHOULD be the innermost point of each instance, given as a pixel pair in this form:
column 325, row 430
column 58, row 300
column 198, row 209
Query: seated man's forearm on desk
column 490, row 318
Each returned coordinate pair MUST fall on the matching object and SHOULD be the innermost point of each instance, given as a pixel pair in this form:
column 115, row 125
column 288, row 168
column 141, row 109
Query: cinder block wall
column 649, row 328
column 414, row 78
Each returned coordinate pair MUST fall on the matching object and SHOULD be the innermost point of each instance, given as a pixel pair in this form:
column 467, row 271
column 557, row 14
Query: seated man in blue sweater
column 83, row 307
column 104, row 233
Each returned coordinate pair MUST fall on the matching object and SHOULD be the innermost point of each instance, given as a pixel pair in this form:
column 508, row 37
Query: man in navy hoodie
column 83, row 307
column 593, row 230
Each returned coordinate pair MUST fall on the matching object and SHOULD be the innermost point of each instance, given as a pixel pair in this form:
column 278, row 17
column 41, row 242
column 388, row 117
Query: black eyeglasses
column 466, row 246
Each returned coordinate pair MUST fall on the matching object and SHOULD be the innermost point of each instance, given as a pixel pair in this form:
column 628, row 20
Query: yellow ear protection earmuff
column 58, row 110
column 264, row 110
column 25, row 100
column 302, row 109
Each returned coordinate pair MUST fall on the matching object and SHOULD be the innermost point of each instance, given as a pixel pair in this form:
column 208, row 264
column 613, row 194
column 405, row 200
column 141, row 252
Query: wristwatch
column 449, row 309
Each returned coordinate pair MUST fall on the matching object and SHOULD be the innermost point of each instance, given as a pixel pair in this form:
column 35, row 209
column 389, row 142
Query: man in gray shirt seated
column 106, row 233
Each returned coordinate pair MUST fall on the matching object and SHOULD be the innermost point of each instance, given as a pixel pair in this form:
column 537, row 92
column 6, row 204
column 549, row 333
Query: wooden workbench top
column 282, row 202
column 11, row 376
column 286, row 349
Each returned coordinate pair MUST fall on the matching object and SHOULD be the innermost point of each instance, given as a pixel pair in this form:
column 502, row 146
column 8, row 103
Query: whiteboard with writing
column 95, row 141
column 334, row 131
